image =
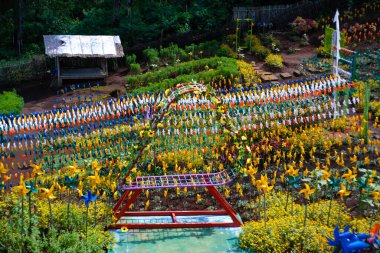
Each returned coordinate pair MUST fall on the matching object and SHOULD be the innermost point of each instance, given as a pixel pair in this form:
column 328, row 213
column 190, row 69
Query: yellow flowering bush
column 250, row 76
column 67, row 234
column 286, row 231
column 274, row 61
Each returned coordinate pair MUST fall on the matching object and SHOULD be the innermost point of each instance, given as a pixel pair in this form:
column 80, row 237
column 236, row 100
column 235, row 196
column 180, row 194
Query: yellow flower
column 124, row 229
column 367, row 161
column 244, row 138
column 160, row 125
column 307, row 191
column 150, row 134
column 343, row 192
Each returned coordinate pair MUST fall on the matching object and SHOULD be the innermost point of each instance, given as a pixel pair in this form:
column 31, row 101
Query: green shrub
column 130, row 59
column 171, row 53
column 11, row 103
column 225, row 51
column 260, row 51
column 270, row 41
column 254, row 40
column 231, row 40
column 208, row 48
column 135, row 69
column 274, row 61
column 321, row 52
column 151, row 55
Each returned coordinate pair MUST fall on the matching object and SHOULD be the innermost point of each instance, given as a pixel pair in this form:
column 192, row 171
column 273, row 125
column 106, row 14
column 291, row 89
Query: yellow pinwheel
column 307, row 191
column 21, row 188
column 95, row 165
column 47, row 193
column 291, row 171
column 262, row 184
column 3, row 170
column 349, row 176
column 73, row 169
column 376, row 195
column 343, row 192
column 199, row 198
column 94, row 180
column 36, row 170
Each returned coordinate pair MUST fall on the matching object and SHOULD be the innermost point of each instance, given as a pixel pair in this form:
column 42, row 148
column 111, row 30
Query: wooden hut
column 82, row 57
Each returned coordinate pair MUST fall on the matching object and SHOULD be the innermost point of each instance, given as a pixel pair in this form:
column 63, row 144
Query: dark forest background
column 23, row 22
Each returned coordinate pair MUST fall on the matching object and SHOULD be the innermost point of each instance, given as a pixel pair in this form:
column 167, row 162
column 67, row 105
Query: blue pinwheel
column 71, row 182
column 348, row 242
column 293, row 181
column 88, row 198
column 334, row 183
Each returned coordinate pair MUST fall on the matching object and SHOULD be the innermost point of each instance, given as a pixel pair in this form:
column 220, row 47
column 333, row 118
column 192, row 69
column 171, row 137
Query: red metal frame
column 121, row 207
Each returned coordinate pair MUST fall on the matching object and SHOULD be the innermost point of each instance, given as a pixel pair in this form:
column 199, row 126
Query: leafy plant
column 151, row 55
column 260, row 51
column 135, row 69
column 226, row 51
column 321, row 52
column 11, row 103
column 130, row 59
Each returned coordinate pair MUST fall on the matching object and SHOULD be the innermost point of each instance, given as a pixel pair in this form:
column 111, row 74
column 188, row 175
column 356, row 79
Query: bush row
column 185, row 68
column 173, row 54
column 206, row 70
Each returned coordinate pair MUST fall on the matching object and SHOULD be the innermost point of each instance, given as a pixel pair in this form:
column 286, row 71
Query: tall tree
column 116, row 12
column 20, row 29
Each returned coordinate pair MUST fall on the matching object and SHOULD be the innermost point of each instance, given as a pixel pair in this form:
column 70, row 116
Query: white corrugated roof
column 83, row 46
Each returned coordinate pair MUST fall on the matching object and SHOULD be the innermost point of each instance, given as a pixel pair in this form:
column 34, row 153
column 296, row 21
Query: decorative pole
column 337, row 49
column 250, row 37
column 237, row 33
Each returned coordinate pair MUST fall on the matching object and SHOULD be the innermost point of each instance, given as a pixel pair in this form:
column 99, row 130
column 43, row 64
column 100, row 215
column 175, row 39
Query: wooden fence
column 282, row 15
column 12, row 73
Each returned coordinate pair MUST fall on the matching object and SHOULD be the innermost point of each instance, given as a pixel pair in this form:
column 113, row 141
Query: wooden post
column 58, row 71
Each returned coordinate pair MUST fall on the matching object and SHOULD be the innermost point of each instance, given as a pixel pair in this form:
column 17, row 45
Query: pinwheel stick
column 265, row 212
column 22, row 214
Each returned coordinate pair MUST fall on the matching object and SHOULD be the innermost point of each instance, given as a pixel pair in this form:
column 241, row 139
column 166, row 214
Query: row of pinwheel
column 143, row 108
column 293, row 108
